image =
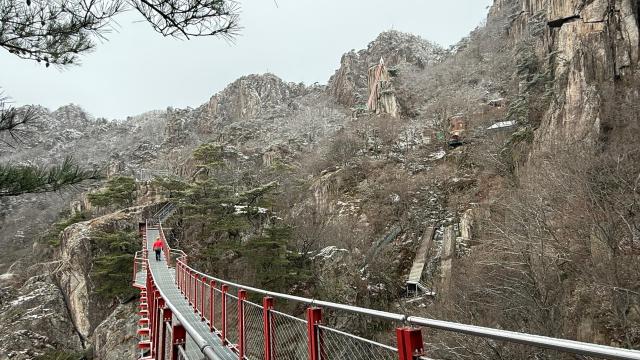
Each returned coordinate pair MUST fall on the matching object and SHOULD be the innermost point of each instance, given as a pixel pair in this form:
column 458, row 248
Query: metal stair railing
column 235, row 321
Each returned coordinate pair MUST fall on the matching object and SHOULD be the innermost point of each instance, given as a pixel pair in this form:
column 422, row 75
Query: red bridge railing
column 259, row 331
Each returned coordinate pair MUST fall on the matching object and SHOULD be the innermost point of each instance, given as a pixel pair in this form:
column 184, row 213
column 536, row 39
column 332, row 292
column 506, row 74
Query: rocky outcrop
column 57, row 309
column 34, row 321
column 115, row 337
column 86, row 309
column 592, row 45
column 382, row 98
column 252, row 95
column 349, row 84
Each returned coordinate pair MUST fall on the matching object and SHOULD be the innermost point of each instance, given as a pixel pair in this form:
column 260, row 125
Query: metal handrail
column 564, row 345
column 370, row 342
column 204, row 347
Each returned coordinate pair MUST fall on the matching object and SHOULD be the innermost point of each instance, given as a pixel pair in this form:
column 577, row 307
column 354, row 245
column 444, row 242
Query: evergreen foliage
column 113, row 262
column 231, row 225
column 11, row 118
column 22, row 179
column 119, row 192
column 209, row 155
column 275, row 265
column 172, row 185
column 52, row 236
column 57, row 32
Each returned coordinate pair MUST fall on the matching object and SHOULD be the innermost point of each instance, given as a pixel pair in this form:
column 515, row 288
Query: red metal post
column 212, row 309
column 153, row 325
column 183, row 271
column 267, row 305
column 177, row 275
column 167, row 315
column 225, row 289
column 202, row 293
column 184, row 281
column 179, row 337
column 191, row 287
column 181, row 278
column 159, row 343
column 150, row 302
column 314, row 317
column 195, row 293
column 410, row 343
column 242, row 296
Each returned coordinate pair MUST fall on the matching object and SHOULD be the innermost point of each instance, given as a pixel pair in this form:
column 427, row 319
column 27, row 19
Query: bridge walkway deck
column 165, row 280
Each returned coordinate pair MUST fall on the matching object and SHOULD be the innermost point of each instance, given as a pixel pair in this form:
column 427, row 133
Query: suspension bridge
column 186, row 314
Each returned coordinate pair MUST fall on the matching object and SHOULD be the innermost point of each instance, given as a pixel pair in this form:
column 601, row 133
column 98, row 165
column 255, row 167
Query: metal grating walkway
column 165, row 280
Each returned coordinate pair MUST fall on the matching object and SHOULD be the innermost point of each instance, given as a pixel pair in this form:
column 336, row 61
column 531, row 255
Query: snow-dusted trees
column 58, row 32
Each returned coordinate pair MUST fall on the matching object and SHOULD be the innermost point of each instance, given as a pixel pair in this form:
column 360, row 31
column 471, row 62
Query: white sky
column 299, row 40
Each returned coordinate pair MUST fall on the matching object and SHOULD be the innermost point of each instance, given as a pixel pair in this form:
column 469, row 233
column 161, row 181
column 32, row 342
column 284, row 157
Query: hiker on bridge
column 157, row 247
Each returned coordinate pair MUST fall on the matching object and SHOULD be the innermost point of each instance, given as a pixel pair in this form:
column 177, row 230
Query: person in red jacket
column 157, row 247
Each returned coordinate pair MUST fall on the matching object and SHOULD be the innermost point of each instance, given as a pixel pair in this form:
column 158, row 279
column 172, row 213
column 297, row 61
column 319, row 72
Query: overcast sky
column 299, row 40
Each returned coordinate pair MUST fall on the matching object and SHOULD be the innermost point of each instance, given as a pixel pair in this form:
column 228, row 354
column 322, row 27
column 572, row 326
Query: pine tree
column 276, row 267
column 57, row 32
column 22, row 179
column 113, row 254
column 118, row 192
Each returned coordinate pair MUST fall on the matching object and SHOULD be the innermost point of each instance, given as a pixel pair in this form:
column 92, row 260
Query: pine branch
column 57, row 32
column 21, row 179
column 12, row 118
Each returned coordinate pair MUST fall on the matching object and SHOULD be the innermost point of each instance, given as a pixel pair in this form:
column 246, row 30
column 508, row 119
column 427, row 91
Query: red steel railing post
column 202, row 293
column 181, row 278
column 150, row 302
column 212, row 294
column 179, row 336
column 167, row 315
column 156, row 316
column 314, row 317
column 190, row 287
column 225, row 289
column 158, row 329
column 184, row 282
column 177, row 275
column 195, row 292
column 410, row 344
column 153, row 320
column 267, row 305
column 242, row 296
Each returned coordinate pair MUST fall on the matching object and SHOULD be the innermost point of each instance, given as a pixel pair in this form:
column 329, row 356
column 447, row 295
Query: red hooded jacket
column 157, row 244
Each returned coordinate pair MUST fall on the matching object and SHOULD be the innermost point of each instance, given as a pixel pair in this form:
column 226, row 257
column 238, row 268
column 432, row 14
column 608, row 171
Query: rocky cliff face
column 57, row 309
column 591, row 47
column 252, row 96
column 349, row 84
column 76, row 262
column 35, row 320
